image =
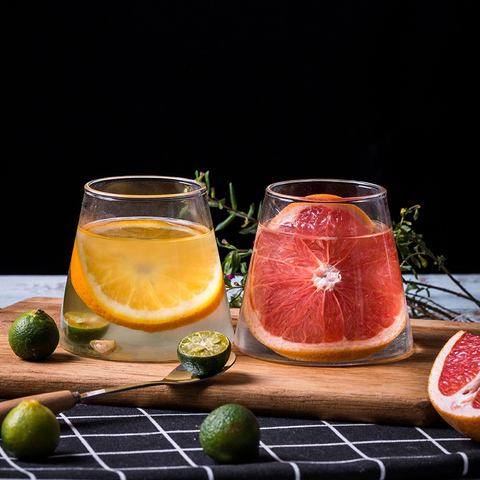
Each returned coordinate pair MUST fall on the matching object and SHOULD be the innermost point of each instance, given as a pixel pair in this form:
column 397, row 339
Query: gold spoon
column 65, row 399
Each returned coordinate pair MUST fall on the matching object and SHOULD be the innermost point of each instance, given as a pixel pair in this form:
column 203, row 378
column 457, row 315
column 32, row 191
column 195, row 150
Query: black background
column 254, row 92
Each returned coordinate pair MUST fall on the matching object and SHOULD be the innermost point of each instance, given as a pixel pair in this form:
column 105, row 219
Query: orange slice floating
column 147, row 274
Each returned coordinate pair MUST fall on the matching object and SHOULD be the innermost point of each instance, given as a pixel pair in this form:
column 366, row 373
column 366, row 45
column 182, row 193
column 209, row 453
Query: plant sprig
column 415, row 254
column 250, row 221
column 235, row 263
column 412, row 249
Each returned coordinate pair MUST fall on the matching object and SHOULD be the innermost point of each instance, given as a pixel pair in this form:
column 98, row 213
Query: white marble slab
column 14, row 288
column 469, row 281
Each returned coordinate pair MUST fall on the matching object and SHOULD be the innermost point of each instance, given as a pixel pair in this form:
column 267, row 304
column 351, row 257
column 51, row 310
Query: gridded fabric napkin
column 102, row 442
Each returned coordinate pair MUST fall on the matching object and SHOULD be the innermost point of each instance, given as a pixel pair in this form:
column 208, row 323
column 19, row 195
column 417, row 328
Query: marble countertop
column 14, row 288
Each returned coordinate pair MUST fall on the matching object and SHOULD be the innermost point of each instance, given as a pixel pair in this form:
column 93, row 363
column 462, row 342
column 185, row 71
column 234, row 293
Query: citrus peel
column 454, row 383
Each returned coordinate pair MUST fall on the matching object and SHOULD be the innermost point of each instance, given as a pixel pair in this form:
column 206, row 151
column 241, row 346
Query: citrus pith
column 147, row 274
column 454, row 383
column 324, row 284
column 82, row 327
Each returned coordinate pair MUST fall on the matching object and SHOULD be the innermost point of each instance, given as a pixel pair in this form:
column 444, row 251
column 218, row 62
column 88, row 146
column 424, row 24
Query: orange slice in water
column 325, row 284
column 454, row 383
column 147, row 274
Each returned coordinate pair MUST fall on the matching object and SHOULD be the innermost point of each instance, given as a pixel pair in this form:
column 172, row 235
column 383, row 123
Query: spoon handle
column 56, row 401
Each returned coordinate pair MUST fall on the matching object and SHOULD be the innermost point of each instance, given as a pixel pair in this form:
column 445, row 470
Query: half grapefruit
column 324, row 284
column 454, row 383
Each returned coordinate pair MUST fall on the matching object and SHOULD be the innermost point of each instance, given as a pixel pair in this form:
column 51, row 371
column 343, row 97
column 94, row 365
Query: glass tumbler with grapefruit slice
column 145, row 270
column 324, row 284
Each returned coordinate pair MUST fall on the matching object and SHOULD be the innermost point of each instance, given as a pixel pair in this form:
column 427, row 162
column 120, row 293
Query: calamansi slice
column 82, row 327
column 147, row 274
column 204, row 353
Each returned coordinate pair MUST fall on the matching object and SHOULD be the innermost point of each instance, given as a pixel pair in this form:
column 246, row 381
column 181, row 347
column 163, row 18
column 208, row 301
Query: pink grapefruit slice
column 454, row 383
column 324, row 284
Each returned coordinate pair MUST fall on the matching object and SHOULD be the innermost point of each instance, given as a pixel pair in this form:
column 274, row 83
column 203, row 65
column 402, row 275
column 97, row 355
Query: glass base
column 398, row 349
column 135, row 345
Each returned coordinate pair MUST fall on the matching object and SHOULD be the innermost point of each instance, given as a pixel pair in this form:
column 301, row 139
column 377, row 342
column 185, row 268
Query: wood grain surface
column 389, row 393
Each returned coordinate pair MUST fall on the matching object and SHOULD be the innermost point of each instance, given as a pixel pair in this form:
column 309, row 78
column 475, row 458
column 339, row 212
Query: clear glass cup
column 145, row 270
column 324, row 285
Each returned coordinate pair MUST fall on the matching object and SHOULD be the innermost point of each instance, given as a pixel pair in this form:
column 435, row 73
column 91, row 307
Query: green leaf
column 251, row 229
column 233, row 199
column 231, row 263
column 251, row 211
column 226, row 222
column 245, row 253
column 259, row 211
column 227, row 265
column 207, row 180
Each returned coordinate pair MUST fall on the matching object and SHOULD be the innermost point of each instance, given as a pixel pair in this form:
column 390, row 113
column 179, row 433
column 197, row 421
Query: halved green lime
column 82, row 327
column 204, row 353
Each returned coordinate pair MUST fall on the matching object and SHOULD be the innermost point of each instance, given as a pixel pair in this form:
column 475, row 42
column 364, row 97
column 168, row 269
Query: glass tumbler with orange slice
column 324, row 285
column 145, row 270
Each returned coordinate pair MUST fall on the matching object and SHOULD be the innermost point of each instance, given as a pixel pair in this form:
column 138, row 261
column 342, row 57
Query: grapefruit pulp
column 324, row 284
column 454, row 383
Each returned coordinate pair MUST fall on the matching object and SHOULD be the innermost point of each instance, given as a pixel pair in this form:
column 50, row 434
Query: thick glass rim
column 379, row 190
column 91, row 187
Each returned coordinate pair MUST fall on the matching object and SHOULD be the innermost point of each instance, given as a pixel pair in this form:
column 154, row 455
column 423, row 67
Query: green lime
column 30, row 430
column 230, row 434
column 83, row 327
column 33, row 335
column 204, row 353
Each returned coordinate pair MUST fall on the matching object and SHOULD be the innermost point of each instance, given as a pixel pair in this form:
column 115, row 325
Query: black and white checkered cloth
column 103, row 442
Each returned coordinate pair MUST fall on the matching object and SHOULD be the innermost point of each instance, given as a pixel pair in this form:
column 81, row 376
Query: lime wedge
column 204, row 353
column 82, row 327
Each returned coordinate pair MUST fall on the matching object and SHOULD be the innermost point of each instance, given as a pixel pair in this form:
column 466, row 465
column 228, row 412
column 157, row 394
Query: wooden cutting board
column 389, row 393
